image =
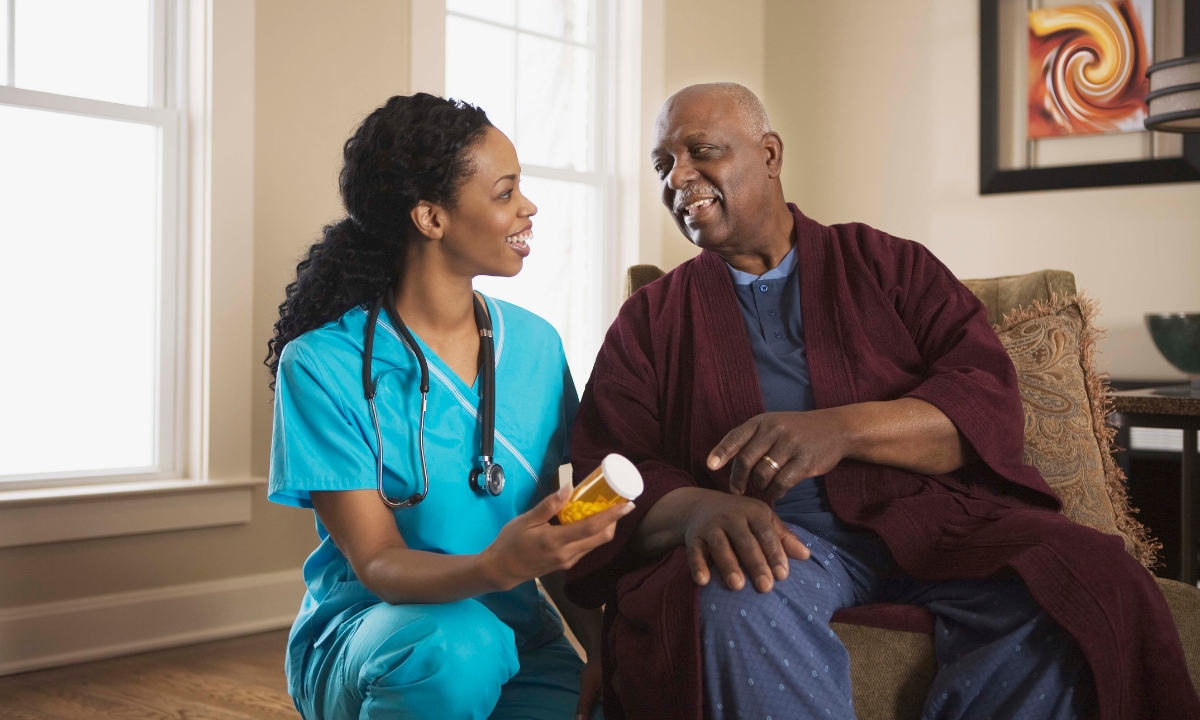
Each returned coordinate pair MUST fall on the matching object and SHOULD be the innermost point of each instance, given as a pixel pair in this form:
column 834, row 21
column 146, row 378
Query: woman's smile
column 519, row 242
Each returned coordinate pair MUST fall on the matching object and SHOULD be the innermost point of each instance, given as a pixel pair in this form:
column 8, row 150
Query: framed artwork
column 1062, row 93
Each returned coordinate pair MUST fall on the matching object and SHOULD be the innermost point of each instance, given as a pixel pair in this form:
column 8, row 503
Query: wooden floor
column 239, row 679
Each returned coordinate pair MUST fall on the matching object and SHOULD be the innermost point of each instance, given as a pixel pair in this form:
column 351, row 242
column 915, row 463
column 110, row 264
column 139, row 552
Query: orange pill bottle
column 614, row 482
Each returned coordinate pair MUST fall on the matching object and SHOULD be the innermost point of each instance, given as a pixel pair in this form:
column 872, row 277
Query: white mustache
column 688, row 194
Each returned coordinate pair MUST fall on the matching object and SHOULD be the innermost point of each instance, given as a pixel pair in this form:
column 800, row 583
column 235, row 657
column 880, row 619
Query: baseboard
column 34, row 637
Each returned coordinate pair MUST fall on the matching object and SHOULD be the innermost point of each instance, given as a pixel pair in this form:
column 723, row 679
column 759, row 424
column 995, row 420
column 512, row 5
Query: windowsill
column 34, row 516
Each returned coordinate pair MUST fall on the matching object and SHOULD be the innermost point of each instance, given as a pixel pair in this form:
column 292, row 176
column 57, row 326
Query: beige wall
column 878, row 106
column 706, row 41
column 322, row 67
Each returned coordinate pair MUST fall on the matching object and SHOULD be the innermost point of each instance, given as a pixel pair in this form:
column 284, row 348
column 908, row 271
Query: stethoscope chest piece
column 490, row 478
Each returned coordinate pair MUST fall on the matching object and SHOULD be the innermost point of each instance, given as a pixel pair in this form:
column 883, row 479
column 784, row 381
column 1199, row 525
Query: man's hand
column 799, row 444
column 740, row 536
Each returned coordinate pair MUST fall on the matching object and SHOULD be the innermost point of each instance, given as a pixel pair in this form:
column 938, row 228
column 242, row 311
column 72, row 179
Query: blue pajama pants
column 455, row 660
column 772, row 656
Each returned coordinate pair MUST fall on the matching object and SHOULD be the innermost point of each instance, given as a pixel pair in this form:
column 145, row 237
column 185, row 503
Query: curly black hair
column 412, row 148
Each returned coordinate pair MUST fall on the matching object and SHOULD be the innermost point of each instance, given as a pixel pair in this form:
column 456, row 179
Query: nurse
column 428, row 611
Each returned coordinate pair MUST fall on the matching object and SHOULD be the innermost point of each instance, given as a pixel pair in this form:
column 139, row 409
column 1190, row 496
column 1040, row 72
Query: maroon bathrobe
column 883, row 319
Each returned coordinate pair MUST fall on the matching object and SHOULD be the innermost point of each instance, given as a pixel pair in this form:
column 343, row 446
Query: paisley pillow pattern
column 1052, row 346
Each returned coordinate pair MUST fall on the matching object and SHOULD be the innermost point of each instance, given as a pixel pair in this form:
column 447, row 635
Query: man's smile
column 696, row 204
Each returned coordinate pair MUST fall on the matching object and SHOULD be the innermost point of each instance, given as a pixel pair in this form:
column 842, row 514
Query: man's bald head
column 749, row 108
column 718, row 162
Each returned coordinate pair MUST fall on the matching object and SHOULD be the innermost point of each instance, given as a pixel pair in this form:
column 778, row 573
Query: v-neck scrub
column 323, row 439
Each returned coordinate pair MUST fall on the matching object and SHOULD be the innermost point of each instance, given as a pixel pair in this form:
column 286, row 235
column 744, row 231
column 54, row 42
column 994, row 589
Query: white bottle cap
column 622, row 476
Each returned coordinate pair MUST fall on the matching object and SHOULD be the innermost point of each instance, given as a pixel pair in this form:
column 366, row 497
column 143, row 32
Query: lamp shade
column 1174, row 97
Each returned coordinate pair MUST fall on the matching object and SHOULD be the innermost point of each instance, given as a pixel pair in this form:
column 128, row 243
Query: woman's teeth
column 520, row 242
column 521, row 238
column 692, row 207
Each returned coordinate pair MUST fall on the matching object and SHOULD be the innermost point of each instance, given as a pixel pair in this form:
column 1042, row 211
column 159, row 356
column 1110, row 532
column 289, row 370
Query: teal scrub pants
column 454, row 660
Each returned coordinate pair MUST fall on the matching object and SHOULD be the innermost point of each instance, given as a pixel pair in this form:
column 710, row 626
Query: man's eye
column 700, row 150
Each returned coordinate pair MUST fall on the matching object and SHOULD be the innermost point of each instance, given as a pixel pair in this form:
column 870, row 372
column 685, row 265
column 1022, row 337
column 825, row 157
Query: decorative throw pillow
column 1066, row 402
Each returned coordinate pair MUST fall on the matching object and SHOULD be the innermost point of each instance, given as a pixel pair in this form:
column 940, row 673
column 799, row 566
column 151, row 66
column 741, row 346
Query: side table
column 1174, row 406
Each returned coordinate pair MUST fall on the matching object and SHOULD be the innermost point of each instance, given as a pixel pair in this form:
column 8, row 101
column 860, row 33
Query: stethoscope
column 488, row 476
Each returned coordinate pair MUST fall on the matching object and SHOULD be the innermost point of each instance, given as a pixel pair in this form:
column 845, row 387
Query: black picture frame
column 1106, row 174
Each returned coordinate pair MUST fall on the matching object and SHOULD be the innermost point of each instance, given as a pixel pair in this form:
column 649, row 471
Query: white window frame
column 163, row 112
column 616, row 118
column 203, row 86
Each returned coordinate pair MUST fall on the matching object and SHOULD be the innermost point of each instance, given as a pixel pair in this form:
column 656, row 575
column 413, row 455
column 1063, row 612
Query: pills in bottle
column 616, row 481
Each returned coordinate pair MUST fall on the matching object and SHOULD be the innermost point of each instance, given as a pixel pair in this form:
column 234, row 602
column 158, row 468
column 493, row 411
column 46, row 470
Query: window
column 89, row 224
column 538, row 68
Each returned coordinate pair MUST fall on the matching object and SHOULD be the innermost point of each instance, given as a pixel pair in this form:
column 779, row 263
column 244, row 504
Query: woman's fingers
column 548, row 507
column 575, row 542
column 589, row 527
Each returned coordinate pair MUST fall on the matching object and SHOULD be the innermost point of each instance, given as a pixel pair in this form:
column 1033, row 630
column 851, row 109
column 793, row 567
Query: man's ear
column 429, row 219
column 773, row 146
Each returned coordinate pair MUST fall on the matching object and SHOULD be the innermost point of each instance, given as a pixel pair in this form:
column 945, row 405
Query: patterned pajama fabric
column 773, row 656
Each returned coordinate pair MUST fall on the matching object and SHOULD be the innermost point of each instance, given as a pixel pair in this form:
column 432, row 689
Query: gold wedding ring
column 767, row 459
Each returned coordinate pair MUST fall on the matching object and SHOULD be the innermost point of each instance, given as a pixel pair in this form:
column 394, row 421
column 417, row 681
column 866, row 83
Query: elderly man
column 825, row 414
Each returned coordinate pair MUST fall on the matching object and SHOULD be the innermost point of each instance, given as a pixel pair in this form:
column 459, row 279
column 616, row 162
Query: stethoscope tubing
column 487, row 409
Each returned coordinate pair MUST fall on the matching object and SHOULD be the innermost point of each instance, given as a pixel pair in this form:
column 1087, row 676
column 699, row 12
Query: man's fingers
column 763, row 472
column 697, row 557
column 731, row 444
column 549, row 506
column 788, row 476
column 749, row 458
column 792, row 545
column 750, row 554
column 771, row 543
column 726, row 560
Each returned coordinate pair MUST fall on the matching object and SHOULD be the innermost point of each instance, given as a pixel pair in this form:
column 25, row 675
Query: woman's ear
column 429, row 219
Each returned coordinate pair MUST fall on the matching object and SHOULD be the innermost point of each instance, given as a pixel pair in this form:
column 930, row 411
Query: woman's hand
column 528, row 546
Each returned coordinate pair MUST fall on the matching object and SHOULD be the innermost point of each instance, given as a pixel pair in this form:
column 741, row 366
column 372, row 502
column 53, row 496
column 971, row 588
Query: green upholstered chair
column 892, row 671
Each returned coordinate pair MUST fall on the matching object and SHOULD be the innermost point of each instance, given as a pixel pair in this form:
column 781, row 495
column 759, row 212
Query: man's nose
column 682, row 173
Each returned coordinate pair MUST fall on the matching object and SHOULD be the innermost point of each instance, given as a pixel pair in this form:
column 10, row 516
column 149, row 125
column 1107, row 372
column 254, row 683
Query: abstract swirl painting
column 1087, row 68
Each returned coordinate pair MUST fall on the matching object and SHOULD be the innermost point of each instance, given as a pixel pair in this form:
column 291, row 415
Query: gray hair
column 748, row 104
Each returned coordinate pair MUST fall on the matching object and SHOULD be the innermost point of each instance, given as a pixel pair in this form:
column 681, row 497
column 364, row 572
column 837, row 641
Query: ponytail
column 413, row 148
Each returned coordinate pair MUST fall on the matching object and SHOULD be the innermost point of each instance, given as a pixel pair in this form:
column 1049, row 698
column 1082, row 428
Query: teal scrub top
column 323, row 439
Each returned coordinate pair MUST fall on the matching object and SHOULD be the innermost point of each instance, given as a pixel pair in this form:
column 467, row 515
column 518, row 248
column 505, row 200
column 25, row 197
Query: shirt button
column 763, row 287
column 778, row 335
column 771, row 313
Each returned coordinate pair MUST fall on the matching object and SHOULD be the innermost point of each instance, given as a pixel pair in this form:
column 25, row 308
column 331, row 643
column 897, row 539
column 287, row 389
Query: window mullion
column 39, row 100
column 11, row 46
column 520, row 31
column 158, row 53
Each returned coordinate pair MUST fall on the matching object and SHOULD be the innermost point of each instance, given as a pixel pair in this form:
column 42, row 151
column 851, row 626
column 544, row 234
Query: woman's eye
column 506, row 194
